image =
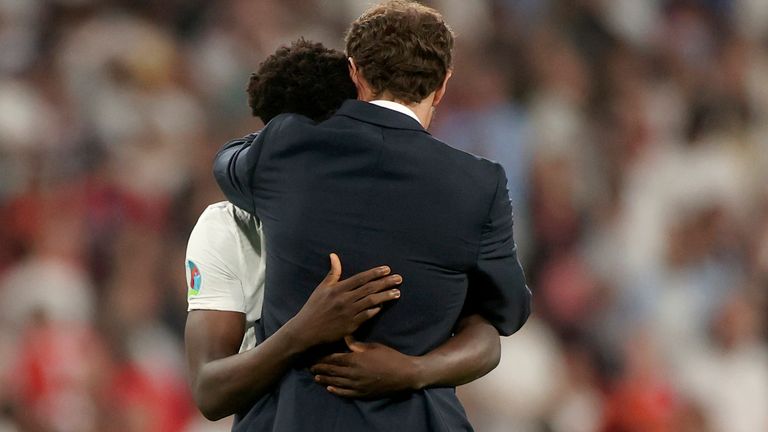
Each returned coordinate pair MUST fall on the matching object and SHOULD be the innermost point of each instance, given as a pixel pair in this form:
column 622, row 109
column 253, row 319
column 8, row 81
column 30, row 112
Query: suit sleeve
column 497, row 288
column 234, row 168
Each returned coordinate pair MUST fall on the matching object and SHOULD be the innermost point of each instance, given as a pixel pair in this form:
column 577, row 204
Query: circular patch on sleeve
column 195, row 279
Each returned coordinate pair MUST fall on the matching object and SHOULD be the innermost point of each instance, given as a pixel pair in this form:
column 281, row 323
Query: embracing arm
column 224, row 382
column 473, row 351
column 242, row 165
column 233, row 169
column 497, row 288
column 499, row 297
column 373, row 370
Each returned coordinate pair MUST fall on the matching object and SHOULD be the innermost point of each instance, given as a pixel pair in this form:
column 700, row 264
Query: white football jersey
column 225, row 265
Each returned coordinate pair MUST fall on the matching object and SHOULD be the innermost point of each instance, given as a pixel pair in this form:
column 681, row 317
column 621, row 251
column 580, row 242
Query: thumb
column 354, row 345
column 334, row 274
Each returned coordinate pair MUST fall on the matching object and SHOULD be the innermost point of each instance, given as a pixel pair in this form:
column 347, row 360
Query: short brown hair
column 401, row 47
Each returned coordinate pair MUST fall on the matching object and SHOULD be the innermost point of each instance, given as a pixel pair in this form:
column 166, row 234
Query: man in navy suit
column 372, row 185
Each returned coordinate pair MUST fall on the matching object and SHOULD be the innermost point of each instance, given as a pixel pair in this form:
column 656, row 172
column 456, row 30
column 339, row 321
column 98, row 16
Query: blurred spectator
column 640, row 399
column 578, row 406
column 729, row 378
column 518, row 393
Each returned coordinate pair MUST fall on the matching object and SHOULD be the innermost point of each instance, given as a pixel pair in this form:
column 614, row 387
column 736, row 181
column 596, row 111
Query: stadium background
column 634, row 135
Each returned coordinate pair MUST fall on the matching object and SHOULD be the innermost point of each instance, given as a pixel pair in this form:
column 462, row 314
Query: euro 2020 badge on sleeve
column 194, row 280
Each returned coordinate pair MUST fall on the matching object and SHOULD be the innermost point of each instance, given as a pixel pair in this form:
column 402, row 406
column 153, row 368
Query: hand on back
column 369, row 370
column 337, row 307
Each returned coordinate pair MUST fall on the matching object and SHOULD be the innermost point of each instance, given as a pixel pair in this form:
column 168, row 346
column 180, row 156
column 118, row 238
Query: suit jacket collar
column 374, row 114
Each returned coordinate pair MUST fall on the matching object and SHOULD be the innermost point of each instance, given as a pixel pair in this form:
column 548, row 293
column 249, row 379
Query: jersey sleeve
column 213, row 279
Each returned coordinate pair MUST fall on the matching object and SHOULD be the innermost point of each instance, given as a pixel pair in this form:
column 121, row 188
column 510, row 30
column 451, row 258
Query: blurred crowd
column 634, row 135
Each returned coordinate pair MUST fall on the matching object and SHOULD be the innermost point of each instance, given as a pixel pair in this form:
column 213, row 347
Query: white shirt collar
column 396, row 107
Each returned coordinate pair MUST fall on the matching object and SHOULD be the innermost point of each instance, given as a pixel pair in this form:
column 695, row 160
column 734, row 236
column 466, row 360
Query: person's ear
column 363, row 88
column 440, row 92
column 354, row 73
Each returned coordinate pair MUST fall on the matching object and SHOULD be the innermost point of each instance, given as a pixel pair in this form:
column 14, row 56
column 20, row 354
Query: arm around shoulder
column 234, row 167
column 237, row 165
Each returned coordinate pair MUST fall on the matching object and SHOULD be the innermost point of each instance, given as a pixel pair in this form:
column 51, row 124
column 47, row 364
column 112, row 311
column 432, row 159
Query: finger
column 335, row 381
column 339, row 359
column 365, row 315
column 329, row 370
column 360, row 279
column 356, row 346
column 374, row 300
column 334, row 274
column 353, row 344
column 379, row 285
column 347, row 393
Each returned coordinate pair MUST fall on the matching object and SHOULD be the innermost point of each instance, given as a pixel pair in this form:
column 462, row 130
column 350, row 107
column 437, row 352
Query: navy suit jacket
column 372, row 185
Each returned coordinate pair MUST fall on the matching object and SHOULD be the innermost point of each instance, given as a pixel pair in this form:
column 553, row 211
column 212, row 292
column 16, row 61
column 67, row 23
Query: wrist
column 417, row 377
column 298, row 340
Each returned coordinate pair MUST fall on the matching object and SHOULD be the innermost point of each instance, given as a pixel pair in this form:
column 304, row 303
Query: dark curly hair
column 401, row 47
column 306, row 78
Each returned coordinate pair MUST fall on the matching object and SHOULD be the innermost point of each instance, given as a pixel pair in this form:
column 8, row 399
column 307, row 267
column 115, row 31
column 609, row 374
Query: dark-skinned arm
column 224, row 382
column 373, row 370
column 473, row 351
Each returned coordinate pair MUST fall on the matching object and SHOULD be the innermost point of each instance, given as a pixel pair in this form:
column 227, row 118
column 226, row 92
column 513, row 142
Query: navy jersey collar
column 377, row 115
